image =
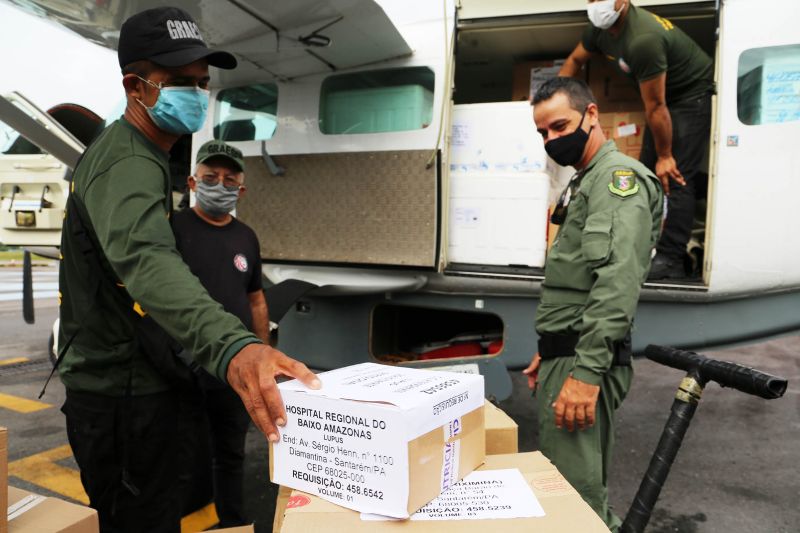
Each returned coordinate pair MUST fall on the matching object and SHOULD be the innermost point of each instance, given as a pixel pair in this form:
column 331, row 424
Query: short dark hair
column 578, row 93
column 141, row 68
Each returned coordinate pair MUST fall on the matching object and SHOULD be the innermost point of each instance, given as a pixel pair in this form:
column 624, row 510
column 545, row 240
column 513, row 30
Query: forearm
column 571, row 67
column 606, row 320
column 167, row 290
column 660, row 124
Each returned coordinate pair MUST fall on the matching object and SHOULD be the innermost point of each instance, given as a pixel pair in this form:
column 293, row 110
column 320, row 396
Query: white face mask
column 602, row 14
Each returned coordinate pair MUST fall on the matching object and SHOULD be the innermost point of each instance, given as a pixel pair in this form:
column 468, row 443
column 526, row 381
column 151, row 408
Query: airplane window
column 246, row 113
column 768, row 89
column 12, row 143
column 377, row 101
column 7, row 136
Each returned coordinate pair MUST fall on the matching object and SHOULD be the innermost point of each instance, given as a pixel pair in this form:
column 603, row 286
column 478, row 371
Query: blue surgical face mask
column 178, row 110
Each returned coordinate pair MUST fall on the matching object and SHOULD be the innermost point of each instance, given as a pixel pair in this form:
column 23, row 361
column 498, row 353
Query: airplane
column 359, row 119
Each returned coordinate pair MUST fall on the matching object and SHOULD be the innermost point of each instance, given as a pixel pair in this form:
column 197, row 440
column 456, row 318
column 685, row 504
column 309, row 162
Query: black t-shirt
column 649, row 45
column 226, row 259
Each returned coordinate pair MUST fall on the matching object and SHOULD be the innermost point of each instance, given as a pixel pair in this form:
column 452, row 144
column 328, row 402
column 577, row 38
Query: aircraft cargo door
column 757, row 179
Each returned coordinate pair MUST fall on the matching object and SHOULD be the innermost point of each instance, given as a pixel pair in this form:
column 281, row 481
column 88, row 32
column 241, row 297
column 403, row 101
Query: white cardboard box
column 380, row 439
column 498, row 219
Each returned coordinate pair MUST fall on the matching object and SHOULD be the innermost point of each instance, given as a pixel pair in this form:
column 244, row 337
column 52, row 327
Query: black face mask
column 567, row 150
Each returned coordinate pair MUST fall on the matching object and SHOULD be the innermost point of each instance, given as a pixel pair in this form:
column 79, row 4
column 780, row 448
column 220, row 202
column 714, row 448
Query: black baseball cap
column 216, row 148
column 169, row 37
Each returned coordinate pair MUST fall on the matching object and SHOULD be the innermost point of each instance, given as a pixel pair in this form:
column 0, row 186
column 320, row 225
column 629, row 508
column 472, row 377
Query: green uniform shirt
column 649, row 45
column 600, row 258
column 123, row 182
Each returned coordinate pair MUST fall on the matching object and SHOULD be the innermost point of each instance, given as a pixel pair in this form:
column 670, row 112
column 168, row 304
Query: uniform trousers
column 691, row 126
column 583, row 457
column 127, row 450
column 228, row 422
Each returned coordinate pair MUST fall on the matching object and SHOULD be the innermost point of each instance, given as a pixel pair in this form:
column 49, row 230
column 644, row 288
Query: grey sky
column 52, row 65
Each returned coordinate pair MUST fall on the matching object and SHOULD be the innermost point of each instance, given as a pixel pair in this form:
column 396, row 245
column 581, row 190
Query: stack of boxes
column 377, row 439
column 316, row 509
column 499, row 186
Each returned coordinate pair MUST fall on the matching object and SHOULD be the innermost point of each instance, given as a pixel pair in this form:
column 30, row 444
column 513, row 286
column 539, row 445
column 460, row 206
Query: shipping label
column 345, row 452
column 482, row 495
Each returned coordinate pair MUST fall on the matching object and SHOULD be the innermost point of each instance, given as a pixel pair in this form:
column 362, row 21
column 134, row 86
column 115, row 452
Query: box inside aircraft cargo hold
column 499, row 186
column 496, row 137
column 501, row 438
column 3, row 478
column 626, row 130
column 614, row 91
column 379, row 438
column 528, row 76
column 32, row 513
column 561, row 509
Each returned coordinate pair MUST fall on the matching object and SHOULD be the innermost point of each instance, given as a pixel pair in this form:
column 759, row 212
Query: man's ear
column 593, row 112
column 191, row 182
column 242, row 190
column 133, row 86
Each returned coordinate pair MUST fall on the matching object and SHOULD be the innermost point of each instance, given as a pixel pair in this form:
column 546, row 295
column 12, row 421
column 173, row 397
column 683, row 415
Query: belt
column 552, row 346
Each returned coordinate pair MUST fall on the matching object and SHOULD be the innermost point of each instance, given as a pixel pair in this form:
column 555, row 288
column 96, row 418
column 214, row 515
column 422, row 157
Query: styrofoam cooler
column 500, row 179
column 498, row 219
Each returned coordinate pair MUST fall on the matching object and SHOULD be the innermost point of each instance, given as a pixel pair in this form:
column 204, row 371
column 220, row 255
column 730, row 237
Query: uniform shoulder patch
column 623, row 182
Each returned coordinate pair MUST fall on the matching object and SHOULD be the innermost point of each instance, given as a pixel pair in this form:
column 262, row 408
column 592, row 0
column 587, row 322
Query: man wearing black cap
column 223, row 253
column 121, row 270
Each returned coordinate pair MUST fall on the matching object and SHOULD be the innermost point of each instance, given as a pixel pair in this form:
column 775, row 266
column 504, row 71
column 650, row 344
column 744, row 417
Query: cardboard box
column 565, row 511
column 501, row 438
column 625, row 129
column 3, row 479
column 614, row 91
column 501, row 431
column 528, row 76
column 31, row 513
column 240, row 529
column 380, row 439
column 280, row 507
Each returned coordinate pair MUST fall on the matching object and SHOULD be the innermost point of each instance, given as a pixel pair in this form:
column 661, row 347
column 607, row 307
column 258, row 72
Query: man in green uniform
column 121, row 269
column 610, row 217
column 676, row 79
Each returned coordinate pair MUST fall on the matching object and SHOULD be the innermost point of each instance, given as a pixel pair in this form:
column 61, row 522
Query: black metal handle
column 699, row 370
column 27, row 288
column 727, row 374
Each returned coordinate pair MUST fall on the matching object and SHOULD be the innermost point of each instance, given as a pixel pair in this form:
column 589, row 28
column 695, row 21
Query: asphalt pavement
column 736, row 471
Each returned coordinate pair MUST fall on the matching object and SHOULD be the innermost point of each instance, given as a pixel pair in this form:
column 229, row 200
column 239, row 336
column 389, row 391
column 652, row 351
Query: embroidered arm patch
column 623, row 183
